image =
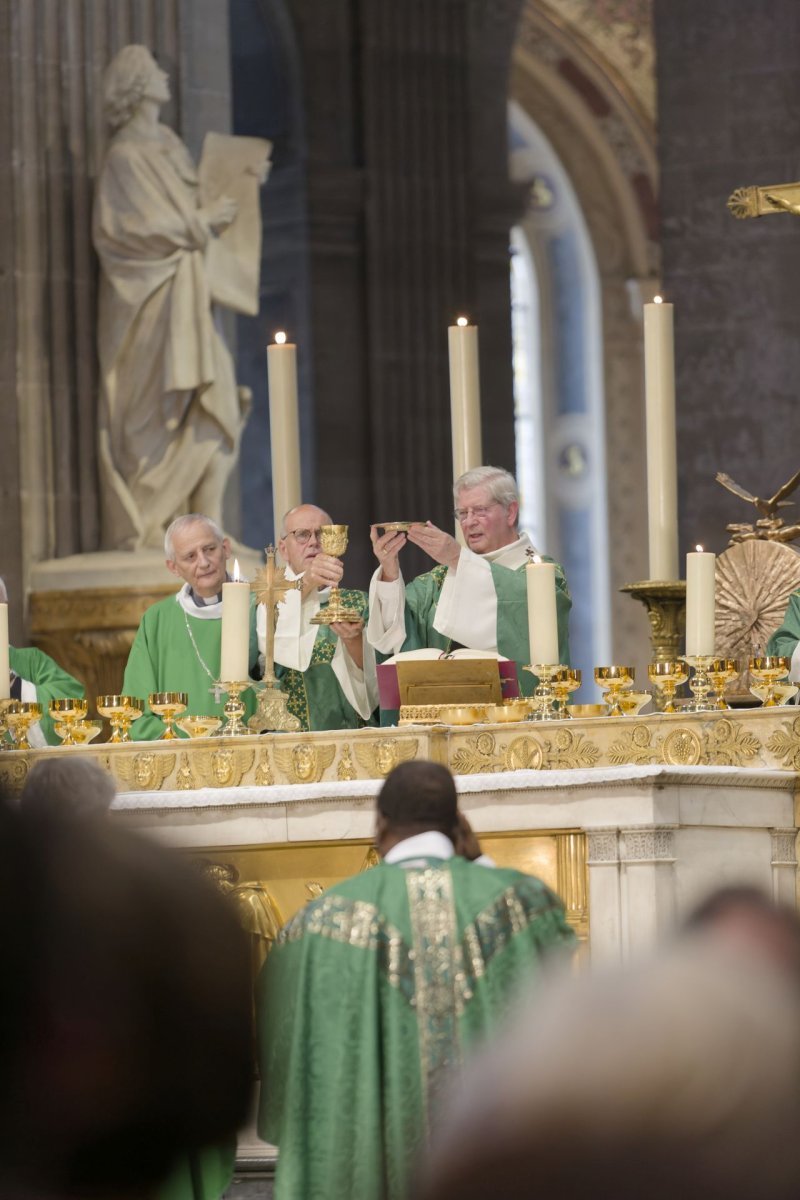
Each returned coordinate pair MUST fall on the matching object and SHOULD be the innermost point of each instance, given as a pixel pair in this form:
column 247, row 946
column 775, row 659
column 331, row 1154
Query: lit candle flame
column 699, row 549
column 236, row 570
column 280, row 338
column 658, row 300
column 462, row 321
column 537, row 558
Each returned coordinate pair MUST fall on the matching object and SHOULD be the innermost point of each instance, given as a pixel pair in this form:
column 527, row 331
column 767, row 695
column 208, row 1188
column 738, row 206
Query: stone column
column 784, row 867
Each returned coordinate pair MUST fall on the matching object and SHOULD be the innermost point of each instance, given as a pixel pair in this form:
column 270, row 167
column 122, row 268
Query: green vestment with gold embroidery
column 315, row 697
column 175, row 652
column 368, row 1002
column 51, row 681
column 783, row 642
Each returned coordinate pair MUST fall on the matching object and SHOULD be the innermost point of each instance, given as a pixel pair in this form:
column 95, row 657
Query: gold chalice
column 564, row 685
column 333, row 540
column 66, row 713
column 20, row 715
column 82, row 732
column 783, row 692
column 168, row 706
column 632, row 703
column 666, row 678
column 721, row 673
column 4, row 706
column 767, row 671
column 197, row 727
column 121, row 711
column 614, row 681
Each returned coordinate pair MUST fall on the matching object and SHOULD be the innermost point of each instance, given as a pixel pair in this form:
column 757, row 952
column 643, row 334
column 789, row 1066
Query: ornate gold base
column 336, row 611
column 665, row 602
column 272, row 712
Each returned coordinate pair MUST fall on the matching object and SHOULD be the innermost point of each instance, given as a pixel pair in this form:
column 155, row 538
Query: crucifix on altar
column 270, row 587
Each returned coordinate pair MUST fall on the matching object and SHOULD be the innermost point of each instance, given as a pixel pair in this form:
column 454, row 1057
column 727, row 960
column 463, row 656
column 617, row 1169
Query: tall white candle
column 662, row 460
column 542, row 623
column 465, row 396
column 284, row 427
column 5, row 669
column 235, row 648
column 700, row 613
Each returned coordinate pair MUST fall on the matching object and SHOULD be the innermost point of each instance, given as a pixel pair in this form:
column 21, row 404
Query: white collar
column 430, row 844
column 206, row 612
column 514, row 555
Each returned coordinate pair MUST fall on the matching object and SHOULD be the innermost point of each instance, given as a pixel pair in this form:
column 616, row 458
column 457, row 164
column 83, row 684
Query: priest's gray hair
column 3, row 593
column 501, row 484
column 125, row 82
column 181, row 523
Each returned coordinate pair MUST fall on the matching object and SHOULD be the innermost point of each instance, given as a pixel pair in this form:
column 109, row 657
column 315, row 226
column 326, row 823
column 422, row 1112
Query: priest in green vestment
column 37, row 678
column 177, row 644
column 476, row 595
column 376, row 991
column 328, row 671
column 785, row 642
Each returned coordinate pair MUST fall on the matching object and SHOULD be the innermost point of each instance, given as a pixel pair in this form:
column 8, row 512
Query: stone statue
column 170, row 412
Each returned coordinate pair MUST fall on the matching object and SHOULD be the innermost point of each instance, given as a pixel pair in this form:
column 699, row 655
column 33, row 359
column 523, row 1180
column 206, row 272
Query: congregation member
column 37, row 678
column 785, row 641
column 377, row 989
column 327, row 671
column 177, row 645
column 476, row 595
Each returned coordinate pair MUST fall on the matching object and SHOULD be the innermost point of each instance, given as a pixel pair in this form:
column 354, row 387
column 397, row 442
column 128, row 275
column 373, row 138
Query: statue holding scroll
column 172, row 241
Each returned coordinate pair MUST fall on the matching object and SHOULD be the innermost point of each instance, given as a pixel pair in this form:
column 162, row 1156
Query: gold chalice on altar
column 333, row 541
column 81, row 732
column 121, row 711
column 20, row 715
column 198, row 726
column 632, row 702
column 168, row 706
column 614, row 681
column 564, row 685
column 66, row 713
column 667, row 677
column 721, row 672
column 767, row 671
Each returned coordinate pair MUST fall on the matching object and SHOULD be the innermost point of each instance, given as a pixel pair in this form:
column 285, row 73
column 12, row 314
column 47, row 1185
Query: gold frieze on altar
column 762, row 737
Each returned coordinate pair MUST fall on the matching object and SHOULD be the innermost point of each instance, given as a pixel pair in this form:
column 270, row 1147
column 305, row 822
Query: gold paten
column 270, row 587
column 333, row 540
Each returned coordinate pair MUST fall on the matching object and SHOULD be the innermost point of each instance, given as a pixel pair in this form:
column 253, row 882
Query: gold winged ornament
column 145, row 771
column 380, row 757
column 305, row 762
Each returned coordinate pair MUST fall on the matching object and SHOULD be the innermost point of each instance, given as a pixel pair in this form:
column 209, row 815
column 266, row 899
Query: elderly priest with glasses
column 476, row 595
column 327, row 671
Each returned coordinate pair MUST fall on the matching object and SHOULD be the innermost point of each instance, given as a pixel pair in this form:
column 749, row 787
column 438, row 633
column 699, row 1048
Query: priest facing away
column 177, row 645
column 376, row 991
column 476, row 595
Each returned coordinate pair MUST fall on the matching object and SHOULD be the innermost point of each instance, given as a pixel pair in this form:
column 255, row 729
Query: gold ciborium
column 66, row 713
column 614, row 681
column 20, row 715
column 720, row 674
column 767, row 671
column 567, row 682
column 197, row 727
column 168, row 706
column 121, row 711
column 667, row 677
column 82, row 732
column 333, row 540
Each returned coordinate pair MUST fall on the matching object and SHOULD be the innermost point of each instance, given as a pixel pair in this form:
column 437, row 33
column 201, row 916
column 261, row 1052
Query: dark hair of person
column 419, row 794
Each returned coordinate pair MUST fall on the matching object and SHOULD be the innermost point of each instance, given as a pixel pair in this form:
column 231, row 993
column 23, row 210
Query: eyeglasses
column 479, row 511
column 304, row 535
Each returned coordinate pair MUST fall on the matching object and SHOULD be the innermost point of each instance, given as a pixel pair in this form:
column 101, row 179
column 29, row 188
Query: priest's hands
column 387, row 546
column 323, row 571
column 441, row 546
column 351, row 635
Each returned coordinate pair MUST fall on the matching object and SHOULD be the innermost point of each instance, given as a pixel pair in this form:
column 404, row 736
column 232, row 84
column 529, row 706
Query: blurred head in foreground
column 746, row 921
column 72, row 787
column 680, row 1078
column 124, row 1009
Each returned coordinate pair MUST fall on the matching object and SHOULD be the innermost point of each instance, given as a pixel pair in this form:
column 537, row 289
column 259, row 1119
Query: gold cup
column 614, row 681
column 513, row 709
column 632, row 702
column 197, row 727
column 767, row 671
column 168, row 706
column 20, row 715
column 66, row 713
column 564, row 685
column 721, row 673
column 666, row 678
column 333, row 541
column 121, row 711
column 82, row 732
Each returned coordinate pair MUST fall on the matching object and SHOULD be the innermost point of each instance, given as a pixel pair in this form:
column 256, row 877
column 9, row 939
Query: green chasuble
column 315, row 697
column 369, row 999
column 49, row 679
column 203, row 1176
column 164, row 658
column 783, row 642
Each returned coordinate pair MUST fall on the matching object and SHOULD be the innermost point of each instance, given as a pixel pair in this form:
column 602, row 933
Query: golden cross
column 270, row 587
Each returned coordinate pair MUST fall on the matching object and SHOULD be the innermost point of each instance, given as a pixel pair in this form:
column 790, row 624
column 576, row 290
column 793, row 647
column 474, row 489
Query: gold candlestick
column 666, row 611
column 233, row 709
column 544, row 695
column 700, row 684
column 272, row 712
column 333, row 540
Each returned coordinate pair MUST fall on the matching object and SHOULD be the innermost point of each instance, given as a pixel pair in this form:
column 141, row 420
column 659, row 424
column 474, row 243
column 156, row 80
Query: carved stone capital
column 784, row 847
column 602, row 847
column 648, row 845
